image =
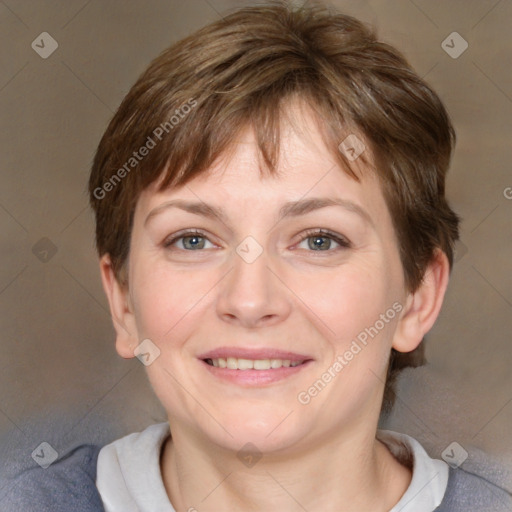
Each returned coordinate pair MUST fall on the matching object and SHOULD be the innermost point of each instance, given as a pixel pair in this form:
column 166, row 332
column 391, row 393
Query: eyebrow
column 289, row 209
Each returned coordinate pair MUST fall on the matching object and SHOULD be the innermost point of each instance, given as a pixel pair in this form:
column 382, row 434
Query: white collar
column 429, row 476
column 129, row 478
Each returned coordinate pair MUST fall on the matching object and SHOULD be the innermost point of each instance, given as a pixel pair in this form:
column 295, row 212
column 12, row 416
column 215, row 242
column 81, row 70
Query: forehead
column 306, row 168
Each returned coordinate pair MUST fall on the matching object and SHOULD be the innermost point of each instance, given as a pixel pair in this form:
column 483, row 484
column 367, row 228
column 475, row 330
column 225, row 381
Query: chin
column 267, row 432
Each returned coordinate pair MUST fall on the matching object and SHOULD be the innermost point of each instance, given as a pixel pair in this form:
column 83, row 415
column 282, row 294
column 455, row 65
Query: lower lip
column 255, row 377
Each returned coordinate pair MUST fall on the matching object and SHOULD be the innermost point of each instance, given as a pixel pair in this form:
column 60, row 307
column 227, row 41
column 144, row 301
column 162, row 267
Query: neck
column 349, row 472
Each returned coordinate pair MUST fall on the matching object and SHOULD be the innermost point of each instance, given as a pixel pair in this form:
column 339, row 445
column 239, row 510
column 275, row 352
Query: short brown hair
column 240, row 71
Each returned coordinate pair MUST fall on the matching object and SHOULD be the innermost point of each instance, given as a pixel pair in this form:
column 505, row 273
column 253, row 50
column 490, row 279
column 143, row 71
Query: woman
column 276, row 254
column 275, row 242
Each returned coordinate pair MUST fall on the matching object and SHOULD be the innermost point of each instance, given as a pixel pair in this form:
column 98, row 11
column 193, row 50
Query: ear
column 120, row 309
column 423, row 306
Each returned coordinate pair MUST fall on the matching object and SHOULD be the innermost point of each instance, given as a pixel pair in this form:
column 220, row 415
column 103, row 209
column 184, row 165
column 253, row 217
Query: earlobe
column 423, row 305
column 120, row 310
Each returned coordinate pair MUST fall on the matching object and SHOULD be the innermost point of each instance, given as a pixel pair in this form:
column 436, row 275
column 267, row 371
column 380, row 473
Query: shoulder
column 468, row 492
column 480, row 484
column 66, row 484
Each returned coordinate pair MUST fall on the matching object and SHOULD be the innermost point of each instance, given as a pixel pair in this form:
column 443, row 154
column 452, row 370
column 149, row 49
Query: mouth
column 234, row 363
column 253, row 367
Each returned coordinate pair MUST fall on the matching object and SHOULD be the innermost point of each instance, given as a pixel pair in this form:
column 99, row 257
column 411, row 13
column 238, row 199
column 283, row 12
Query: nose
column 253, row 293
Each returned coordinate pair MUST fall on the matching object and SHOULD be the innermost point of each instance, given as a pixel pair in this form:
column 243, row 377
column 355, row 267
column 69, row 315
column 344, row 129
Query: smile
column 234, row 363
column 251, row 366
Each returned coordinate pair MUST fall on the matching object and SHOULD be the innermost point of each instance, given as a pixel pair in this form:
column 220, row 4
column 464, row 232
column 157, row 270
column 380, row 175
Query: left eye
column 321, row 241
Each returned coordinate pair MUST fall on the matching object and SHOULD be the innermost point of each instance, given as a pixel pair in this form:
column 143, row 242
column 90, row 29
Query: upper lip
column 253, row 354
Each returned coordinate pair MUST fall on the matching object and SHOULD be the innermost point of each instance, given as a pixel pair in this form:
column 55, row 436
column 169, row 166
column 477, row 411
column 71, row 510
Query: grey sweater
column 68, row 485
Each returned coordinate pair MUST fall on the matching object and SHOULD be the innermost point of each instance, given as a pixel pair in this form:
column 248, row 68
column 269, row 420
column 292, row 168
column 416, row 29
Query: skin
column 292, row 297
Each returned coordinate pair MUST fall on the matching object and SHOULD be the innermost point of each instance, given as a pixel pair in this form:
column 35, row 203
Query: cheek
column 352, row 299
column 359, row 305
column 362, row 311
column 166, row 302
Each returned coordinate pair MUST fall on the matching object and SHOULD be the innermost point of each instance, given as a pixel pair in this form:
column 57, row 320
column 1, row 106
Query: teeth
column 261, row 364
column 250, row 364
column 232, row 363
column 245, row 364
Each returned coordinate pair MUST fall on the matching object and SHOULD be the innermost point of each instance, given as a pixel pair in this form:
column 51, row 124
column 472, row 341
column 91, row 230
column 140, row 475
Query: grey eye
column 322, row 241
column 319, row 242
column 189, row 241
column 194, row 242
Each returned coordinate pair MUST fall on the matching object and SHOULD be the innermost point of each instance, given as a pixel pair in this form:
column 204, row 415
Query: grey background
column 61, row 380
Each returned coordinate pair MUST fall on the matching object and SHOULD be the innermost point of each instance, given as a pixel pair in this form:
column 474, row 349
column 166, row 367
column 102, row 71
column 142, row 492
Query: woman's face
column 257, row 281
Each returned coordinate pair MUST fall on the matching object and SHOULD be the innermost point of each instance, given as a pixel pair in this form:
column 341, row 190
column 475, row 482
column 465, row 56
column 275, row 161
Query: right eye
column 192, row 240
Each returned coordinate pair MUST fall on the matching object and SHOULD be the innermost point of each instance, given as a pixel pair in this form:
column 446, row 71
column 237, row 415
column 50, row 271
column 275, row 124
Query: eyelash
column 320, row 233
